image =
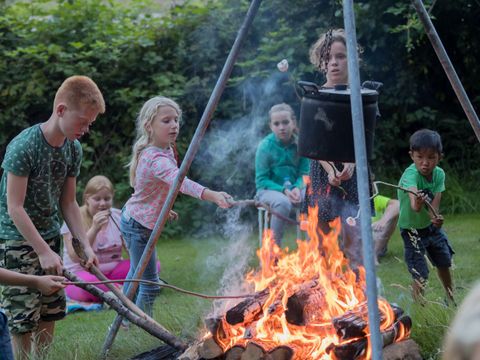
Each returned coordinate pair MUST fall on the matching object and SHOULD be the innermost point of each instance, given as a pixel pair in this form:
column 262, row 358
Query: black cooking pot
column 326, row 122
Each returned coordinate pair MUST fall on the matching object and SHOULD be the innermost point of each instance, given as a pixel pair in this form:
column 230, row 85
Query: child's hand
column 51, row 263
column 420, row 199
column 91, row 257
column 223, row 199
column 333, row 180
column 378, row 226
column 49, row 284
column 100, row 219
column 172, row 215
column 347, row 172
column 294, row 195
column 437, row 221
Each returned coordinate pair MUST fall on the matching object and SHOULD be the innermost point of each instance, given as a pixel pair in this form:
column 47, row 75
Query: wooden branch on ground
column 146, row 323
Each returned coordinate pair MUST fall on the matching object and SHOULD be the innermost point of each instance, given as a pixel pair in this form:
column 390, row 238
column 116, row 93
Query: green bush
column 134, row 53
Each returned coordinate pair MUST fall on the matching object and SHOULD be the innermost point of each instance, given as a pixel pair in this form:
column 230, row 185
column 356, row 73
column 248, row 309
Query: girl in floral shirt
column 153, row 168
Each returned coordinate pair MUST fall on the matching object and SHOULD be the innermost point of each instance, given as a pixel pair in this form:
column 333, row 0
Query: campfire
column 305, row 304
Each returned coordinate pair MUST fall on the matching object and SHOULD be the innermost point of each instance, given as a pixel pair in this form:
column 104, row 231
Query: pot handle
column 308, row 87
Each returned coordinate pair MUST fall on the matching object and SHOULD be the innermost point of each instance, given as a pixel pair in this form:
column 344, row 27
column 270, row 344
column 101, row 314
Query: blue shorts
column 431, row 241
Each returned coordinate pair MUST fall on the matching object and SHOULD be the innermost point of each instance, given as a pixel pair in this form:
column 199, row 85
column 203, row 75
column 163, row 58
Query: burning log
column 247, row 310
column 214, row 325
column 303, row 305
column 280, row 353
column 349, row 351
column 353, row 323
column 235, row 353
column 210, row 349
column 402, row 325
column 253, row 351
column 355, row 349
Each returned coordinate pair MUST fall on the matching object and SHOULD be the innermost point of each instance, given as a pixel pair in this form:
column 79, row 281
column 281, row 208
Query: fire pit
column 306, row 304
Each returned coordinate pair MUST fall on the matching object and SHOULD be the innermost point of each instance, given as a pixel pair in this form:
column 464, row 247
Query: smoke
column 227, row 159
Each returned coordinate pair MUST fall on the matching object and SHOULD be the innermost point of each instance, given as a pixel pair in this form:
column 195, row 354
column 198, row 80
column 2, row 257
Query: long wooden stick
column 78, row 247
column 429, row 205
column 159, row 284
column 251, row 202
column 146, row 323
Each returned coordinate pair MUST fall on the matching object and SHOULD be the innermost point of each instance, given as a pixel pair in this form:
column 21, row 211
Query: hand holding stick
column 77, row 246
column 429, row 205
column 258, row 204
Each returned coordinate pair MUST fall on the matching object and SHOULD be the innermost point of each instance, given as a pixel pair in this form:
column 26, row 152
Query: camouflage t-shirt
column 47, row 168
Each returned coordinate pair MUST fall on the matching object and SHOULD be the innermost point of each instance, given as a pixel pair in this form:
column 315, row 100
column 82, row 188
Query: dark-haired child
column 420, row 229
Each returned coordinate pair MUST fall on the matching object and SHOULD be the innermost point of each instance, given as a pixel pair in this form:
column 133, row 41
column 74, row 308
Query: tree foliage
column 134, row 51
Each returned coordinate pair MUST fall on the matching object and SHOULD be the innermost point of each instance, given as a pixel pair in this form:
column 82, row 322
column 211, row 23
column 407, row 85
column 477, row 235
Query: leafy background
column 139, row 49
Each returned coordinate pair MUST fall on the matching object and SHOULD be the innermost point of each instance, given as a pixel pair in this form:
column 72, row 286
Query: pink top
column 156, row 171
column 107, row 246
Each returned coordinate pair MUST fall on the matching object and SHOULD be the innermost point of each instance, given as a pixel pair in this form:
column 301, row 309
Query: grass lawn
column 199, row 265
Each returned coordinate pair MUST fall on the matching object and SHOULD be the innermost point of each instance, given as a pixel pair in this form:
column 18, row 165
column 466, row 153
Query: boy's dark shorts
column 434, row 242
column 26, row 307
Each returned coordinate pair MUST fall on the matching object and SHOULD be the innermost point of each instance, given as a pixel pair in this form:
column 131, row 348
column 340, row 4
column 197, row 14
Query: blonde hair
column 80, row 90
column 321, row 48
column 144, row 137
column 282, row 107
column 94, row 185
column 464, row 334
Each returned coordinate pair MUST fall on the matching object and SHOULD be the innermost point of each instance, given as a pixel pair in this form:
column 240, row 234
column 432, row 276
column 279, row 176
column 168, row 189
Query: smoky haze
column 227, row 159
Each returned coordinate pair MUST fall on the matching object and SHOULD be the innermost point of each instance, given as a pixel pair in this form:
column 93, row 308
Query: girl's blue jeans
column 136, row 237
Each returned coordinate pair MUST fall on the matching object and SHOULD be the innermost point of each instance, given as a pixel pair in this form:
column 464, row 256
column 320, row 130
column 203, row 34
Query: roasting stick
column 252, row 202
column 159, row 284
column 145, row 322
column 429, row 205
column 78, row 247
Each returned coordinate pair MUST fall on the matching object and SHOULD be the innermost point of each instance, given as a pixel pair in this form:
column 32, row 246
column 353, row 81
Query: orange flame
column 317, row 263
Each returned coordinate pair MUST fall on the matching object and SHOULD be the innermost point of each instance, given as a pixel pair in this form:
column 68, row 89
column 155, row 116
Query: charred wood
column 165, row 352
column 247, row 310
column 303, row 305
column 353, row 323
column 348, row 351
column 192, row 352
column 391, row 335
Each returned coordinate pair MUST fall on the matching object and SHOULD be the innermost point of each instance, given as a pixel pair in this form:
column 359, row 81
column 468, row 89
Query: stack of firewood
column 303, row 308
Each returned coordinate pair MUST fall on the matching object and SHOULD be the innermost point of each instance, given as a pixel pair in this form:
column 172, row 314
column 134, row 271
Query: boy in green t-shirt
column 420, row 229
column 39, row 180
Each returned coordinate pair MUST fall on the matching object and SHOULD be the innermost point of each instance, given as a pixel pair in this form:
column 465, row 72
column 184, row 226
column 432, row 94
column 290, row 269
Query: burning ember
column 307, row 304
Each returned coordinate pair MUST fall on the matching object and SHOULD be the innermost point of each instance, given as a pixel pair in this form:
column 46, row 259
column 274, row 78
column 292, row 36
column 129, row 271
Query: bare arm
column 71, row 215
column 222, row 199
column 390, row 214
column 16, row 192
column 46, row 284
column 67, row 242
column 436, row 220
column 416, row 201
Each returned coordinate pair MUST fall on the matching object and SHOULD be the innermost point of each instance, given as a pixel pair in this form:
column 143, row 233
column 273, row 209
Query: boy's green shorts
column 26, row 307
